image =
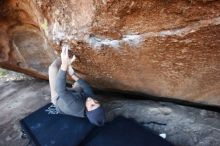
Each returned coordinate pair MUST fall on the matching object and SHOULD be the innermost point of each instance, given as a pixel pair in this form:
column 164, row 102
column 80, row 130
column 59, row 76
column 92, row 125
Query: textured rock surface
column 23, row 46
column 162, row 48
column 184, row 126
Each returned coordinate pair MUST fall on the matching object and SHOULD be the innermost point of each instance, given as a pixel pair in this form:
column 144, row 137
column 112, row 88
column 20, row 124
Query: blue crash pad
column 46, row 129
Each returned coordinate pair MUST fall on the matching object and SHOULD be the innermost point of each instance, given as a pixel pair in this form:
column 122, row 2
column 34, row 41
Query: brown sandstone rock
column 23, row 46
column 163, row 48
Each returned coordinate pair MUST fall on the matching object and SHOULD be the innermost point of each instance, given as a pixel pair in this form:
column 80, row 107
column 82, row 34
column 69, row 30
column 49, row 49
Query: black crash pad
column 123, row 132
column 62, row 130
column 46, row 129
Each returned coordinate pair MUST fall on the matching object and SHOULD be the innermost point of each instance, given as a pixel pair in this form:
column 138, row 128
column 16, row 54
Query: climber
column 79, row 100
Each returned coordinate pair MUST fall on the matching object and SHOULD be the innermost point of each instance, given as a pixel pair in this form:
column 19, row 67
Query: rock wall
column 163, row 48
column 23, row 46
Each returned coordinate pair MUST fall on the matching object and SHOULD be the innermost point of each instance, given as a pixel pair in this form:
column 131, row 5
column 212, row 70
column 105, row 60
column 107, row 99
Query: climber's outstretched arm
column 61, row 76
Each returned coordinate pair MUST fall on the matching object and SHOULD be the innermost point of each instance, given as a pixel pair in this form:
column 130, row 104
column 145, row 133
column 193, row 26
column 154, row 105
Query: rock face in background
column 162, row 48
column 23, row 46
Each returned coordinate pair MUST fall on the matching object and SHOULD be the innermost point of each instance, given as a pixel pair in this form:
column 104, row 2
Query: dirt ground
column 183, row 126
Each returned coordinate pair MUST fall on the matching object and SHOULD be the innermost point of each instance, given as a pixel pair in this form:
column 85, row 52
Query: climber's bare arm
column 61, row 76
column 72, row 73
column 75, row 77
column 65, row 66
column 66, row 62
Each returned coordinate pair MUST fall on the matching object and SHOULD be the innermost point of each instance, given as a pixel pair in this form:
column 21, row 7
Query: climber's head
column 95, row 112
column 91, row 104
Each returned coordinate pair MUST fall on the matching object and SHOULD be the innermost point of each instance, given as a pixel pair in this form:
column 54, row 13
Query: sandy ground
column 18, row 99
column 184, row 126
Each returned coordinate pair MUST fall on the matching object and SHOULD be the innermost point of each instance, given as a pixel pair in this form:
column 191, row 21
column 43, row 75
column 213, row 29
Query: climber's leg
column 53, row 70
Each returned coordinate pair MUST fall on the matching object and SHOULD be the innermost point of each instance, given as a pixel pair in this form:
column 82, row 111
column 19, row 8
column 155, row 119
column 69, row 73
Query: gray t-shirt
column 69, row 102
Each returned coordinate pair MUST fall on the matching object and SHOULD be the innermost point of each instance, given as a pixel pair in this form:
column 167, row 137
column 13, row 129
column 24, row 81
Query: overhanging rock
column 163, row 48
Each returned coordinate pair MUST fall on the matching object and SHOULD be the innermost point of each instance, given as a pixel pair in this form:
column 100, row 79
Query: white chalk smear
column 134, row 40
column 57, row 31
column 184, row 31
column 97, row 42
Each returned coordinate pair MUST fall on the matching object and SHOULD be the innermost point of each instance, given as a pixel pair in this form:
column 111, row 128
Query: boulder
column 162, row 48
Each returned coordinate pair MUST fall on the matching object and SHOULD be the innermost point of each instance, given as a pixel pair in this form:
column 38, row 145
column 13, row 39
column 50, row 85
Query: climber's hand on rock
column 72, row 59
column 71, row 71
column 66, row 61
